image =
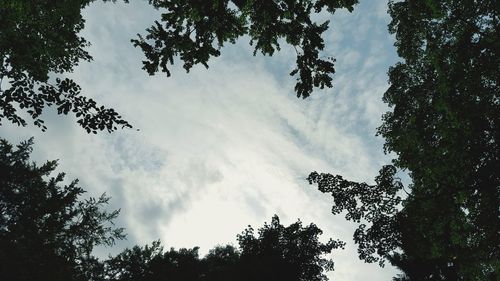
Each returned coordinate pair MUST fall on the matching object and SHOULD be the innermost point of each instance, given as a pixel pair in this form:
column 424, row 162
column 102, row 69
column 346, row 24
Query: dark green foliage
column 222, row 263
column 46, row 231
column 277, row 253
column 444, row 129
column 39, row 40
column 196, row 30
column 376, row 205
column 285, row 253
column 151, row 263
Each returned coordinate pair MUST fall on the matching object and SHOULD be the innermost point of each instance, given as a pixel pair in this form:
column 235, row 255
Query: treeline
column 48, row 232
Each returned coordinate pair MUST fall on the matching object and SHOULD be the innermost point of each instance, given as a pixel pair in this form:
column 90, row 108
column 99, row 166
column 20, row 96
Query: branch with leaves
column 195, row 31
column 376, row 205
column 39, row 40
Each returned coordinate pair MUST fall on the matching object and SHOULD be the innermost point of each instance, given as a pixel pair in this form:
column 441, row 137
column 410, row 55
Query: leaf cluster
column 373, row 207
column 46, row 231
column 276, row 253
column 443, row 127
column 39, row 39
column 196, row 30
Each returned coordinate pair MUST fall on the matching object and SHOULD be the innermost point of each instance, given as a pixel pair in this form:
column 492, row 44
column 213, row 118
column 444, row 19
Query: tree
column 285, row 253
column 444, row 129
column 196, row 30
column 39, row 42
column 151, row 263
column 277, row 253
column 192, row 30
column 222, row 263
column 373, row 205
column 46, row 231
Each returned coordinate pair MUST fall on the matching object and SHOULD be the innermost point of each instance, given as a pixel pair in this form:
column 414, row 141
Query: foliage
column 196, row 30
column 375, row 204
column 277, row 253
column 46, row 231
column 39, row 42
column 285, row 253
column 444, row 129
column 151, row 263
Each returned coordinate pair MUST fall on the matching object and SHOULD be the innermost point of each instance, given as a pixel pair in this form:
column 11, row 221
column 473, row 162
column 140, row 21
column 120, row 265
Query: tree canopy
column 39, row 43
column 194, row 31
column 444, row 129
column 47, row 232
column 276, row 253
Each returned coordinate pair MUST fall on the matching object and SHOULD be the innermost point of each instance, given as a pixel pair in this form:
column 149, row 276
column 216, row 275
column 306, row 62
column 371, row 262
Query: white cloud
column 222, row 148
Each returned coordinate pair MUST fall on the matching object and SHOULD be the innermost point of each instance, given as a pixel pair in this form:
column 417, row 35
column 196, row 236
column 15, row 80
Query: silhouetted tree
column 195, row 30
column 46, row 231
column 374, row 207
column 444, row 129
column 151, row 263
column 277, row 253
column 285, row 253
column 39, row 41
column 222, row 263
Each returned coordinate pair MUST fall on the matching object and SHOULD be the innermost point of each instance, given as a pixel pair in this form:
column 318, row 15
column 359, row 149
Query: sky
column 222, row 148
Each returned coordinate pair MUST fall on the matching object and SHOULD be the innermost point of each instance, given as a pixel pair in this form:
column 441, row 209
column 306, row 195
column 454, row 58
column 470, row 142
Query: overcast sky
column 226, row 147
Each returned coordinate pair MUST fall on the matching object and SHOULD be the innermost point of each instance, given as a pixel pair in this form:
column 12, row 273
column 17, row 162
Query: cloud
column 226, row 147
